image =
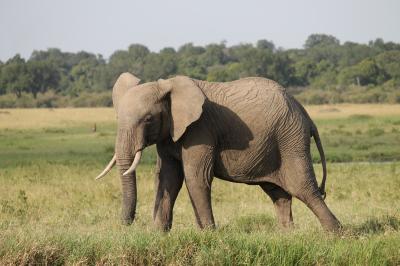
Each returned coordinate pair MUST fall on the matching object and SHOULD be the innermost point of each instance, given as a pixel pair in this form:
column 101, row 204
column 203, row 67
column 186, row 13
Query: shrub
column 7, row 101
column 47, row 100
column 92, row 100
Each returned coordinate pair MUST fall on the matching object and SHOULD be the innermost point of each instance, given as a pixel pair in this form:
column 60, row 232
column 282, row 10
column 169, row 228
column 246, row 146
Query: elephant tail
column 315, row 135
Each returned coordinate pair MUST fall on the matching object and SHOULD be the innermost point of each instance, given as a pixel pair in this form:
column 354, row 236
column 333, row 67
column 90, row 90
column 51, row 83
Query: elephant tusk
column 108, row 167
column 135, row 163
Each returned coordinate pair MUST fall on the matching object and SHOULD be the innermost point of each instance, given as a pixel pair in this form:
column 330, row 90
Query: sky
column 103, row 27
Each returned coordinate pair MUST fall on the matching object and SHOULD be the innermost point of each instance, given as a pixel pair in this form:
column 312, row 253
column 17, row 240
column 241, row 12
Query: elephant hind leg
column 317, row 205
column 299, row 179
column 282, row 203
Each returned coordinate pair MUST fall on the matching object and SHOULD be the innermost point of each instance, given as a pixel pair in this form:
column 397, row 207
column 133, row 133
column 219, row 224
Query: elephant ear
column 124, row 82
column 187, row 101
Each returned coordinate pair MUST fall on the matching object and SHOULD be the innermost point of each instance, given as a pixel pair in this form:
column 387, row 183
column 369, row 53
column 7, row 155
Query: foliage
column 325, row 69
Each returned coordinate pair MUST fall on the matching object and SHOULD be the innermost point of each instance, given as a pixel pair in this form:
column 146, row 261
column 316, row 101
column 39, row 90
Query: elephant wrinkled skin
column 247, row 131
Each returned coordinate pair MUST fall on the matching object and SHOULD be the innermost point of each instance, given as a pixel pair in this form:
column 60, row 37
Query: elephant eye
column 148, row 119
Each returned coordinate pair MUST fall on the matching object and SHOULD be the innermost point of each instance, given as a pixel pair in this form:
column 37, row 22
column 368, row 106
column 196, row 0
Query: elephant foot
column 328, row 221
column 126, row 221
column 332, row 225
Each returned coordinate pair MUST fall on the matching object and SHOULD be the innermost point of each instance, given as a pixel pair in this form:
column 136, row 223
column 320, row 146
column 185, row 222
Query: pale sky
column 105, row 26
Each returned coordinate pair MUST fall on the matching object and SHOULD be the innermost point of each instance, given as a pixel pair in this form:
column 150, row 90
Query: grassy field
column 53, row 212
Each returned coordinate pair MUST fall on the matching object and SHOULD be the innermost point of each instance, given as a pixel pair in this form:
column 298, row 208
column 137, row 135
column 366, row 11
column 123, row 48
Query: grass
column 350, row 133
column 53, row 212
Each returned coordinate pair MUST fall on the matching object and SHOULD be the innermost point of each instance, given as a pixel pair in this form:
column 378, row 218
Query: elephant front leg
column 200, row 196
column 197, row 166
column 168, row 182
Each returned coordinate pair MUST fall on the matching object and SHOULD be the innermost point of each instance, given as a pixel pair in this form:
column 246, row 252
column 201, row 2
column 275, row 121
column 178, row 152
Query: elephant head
column 147, row 114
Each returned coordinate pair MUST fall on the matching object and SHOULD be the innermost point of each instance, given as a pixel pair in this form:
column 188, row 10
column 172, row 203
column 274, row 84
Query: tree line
column 323, row 71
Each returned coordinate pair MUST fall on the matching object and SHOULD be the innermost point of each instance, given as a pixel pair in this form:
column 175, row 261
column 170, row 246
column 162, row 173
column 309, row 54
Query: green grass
column 61, row 216
column 355, row 138
column 360, row 138
column 53, row 212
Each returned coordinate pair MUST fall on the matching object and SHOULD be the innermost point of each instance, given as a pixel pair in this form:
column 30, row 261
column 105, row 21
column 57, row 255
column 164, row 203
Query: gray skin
column 246, row 131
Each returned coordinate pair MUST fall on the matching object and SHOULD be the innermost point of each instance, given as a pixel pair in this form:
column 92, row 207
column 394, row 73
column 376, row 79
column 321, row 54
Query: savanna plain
column 53, row 212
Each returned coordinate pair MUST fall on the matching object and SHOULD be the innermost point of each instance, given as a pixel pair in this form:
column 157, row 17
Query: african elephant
column 246, row 131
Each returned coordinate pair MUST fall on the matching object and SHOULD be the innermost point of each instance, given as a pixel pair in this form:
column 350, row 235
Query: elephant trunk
column 129, row 191
column 124, row 156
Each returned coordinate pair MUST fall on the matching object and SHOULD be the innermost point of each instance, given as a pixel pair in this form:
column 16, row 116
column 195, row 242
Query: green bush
column 47, row 100
column 7, row 101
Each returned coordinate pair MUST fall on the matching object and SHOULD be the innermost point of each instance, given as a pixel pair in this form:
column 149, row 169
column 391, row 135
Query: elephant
column 245, row 131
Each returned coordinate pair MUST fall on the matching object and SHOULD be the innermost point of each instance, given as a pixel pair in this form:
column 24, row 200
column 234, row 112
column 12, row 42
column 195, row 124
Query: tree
column 281, row 69
column 217, row 73
column 190, row 63
column 305, row 71
column 214, row 55
column 228, row 72
column 15, row 77
column 42, row 77
column 253, row 62
column 118, row 63
column 160, row 65
column 315, row 40
column 325, row 75
column 389, row 62
column 132, row 60
column 63, row 62
column 191, row 66
column 265, row 45
column 188, row 50
column 351, row 53
column 364, row 73
column 85, row 76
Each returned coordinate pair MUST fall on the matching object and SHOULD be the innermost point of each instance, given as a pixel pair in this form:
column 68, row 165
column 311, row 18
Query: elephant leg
column 168, row 182
column 282, row 203
column 200, row 196
column 197, row 166
column 299, row 179
column 317, row 205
